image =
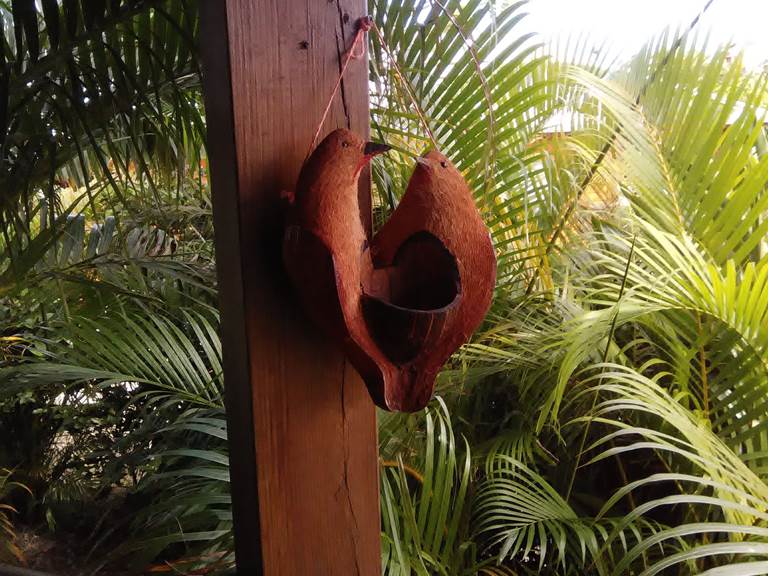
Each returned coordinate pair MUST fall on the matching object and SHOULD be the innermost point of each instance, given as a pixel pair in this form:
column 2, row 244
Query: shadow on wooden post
column 6, row 570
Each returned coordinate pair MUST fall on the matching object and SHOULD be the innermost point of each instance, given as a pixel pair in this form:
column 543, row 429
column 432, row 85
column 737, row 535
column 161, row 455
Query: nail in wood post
column 302, row 430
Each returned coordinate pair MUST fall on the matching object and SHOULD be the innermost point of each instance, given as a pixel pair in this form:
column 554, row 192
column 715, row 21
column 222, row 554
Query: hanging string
column 406, row 85
column 356, row 51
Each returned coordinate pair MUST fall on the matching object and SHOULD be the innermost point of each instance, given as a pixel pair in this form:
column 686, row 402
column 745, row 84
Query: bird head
column 341, row 153
column 434, row 171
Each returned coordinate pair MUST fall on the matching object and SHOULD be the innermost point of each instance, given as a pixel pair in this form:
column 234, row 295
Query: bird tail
column 406, row 388
column 410, row 390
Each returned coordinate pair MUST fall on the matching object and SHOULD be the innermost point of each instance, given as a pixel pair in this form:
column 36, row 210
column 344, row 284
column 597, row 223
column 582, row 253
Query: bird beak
column 375, row 148
column 422, row 161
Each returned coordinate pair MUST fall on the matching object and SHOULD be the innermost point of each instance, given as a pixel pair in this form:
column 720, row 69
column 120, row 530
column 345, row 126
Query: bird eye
column 345, row 144
column 444, row 164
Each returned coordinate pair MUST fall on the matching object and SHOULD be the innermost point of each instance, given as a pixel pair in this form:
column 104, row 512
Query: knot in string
column 365, row 23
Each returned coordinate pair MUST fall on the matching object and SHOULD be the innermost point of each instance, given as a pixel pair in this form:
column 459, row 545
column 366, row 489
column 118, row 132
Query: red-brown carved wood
column 401, row 308
column 437, row 208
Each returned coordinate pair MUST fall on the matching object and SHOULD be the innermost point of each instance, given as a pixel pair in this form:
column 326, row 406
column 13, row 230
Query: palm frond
column 719, row 483
column 423, row 510
column 96, row 91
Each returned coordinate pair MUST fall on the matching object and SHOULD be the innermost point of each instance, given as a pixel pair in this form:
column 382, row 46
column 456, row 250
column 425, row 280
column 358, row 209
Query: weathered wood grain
column 302, row 428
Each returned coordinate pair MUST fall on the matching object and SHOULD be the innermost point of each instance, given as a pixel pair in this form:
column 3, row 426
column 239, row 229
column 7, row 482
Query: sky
column 627, row 24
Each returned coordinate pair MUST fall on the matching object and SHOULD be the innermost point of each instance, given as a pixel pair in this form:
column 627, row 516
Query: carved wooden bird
column 402, row 307
column 435, row 271
column 325, row 250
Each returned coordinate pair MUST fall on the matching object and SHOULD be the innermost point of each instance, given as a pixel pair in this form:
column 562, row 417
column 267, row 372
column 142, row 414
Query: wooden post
column 302, row 429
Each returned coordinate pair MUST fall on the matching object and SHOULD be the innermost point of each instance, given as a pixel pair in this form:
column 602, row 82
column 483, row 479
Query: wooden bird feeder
column 400, row 305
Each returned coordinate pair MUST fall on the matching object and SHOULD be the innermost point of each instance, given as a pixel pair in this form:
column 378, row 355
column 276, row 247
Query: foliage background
column 609, row 417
